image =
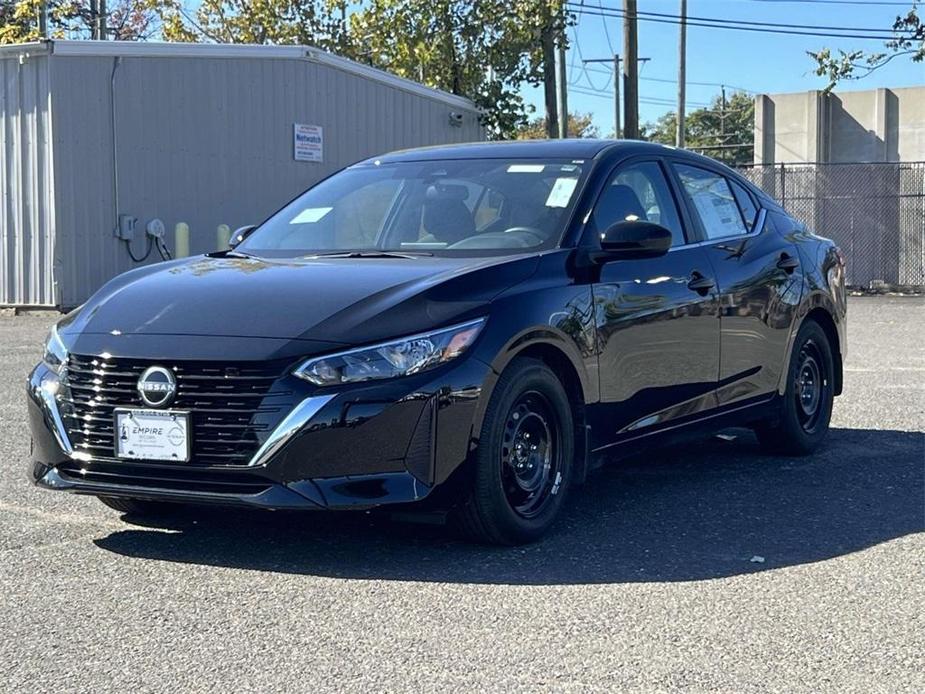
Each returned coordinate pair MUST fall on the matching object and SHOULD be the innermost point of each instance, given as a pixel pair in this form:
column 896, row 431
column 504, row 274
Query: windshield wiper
column 370, row 254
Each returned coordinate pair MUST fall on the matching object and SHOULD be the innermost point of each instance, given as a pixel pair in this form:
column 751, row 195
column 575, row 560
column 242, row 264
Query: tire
column 138, row 507
column 807, row 401
column 524, row 460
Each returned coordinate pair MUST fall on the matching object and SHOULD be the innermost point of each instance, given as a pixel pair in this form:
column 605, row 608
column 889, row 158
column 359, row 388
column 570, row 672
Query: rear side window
column 746, row 204
column 713, row 202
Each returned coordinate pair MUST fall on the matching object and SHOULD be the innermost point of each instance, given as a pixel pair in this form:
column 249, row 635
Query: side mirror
column 240, row 234
column 625, row 240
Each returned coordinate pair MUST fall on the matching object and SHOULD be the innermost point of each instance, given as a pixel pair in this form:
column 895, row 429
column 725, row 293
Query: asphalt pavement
column 704, row 567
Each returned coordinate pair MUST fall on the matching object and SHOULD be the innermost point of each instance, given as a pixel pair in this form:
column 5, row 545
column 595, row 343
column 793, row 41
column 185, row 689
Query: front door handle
column 788, row 263
column 700, row 284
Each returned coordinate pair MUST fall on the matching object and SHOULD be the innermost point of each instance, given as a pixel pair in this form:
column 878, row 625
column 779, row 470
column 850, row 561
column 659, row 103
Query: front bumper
column 386, row 442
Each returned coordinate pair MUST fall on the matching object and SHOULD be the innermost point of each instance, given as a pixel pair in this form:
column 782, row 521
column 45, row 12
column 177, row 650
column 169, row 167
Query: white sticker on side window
column 310, row 215
column 525, row 168
column 561, row 192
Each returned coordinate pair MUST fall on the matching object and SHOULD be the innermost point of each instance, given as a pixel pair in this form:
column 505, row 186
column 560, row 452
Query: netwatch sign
column 308, row 142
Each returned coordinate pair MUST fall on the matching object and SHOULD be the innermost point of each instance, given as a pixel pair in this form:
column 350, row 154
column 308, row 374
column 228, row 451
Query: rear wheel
column 807, row 403
column 138, row 507
column 524, row 459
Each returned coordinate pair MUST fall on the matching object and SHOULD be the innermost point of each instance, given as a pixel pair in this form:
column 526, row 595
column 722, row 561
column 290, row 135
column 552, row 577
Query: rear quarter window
column 746, row 205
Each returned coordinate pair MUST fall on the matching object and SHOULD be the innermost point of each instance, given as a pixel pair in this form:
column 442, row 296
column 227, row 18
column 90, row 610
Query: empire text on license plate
column 152, row 435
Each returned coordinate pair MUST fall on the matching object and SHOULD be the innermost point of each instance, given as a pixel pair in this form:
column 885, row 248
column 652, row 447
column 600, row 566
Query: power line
column 713, row 23
column 653, row 100
column 837, row 2
column 748, row 22
column 584, row 69
column 606, row 30
column 615, row 12
column 666, row 80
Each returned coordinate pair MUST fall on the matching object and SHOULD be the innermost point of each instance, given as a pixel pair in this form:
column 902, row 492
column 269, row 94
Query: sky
column 759, row 62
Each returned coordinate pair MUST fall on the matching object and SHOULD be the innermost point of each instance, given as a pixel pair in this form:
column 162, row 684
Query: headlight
column 55, row 356
column 401, row 357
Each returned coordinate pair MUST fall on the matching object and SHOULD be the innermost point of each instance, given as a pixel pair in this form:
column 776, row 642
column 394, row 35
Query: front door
column 658, row 331
column 760, row 281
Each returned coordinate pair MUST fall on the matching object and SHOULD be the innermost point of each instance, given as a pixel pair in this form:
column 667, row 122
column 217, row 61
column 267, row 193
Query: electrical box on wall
column 126, row 228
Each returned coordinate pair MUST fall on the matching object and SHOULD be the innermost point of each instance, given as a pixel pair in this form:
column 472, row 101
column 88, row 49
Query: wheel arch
column 562, row 357
column 823, row 318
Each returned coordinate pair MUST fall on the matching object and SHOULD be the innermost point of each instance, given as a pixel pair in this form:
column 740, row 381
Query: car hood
column 322, row 300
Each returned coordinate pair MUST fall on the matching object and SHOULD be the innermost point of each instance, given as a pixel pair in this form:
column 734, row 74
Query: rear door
column 759, row 278
column 658, row 332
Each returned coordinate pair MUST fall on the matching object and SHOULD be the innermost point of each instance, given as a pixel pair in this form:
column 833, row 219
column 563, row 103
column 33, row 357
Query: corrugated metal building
column 201, row 134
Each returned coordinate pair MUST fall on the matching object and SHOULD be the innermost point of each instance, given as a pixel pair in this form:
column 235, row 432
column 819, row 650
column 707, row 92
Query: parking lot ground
column 704, row 567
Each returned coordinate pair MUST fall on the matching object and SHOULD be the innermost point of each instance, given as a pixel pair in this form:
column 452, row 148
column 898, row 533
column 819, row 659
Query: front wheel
column 807, row 402
column 524, row 459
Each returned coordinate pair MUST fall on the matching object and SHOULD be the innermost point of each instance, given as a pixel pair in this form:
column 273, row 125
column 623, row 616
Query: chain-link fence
column 874, row 212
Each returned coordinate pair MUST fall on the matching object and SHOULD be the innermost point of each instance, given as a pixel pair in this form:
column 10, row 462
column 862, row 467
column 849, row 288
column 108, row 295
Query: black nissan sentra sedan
column 468, row 329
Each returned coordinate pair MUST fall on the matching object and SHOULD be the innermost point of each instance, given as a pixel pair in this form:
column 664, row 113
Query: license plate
column 152, row 435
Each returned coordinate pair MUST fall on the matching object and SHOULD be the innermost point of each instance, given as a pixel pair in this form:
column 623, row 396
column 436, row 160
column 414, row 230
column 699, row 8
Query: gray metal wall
column 208, row 142
column 26, row 188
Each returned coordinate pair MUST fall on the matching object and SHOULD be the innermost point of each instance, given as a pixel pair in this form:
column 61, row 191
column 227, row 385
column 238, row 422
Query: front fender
column 547, row 317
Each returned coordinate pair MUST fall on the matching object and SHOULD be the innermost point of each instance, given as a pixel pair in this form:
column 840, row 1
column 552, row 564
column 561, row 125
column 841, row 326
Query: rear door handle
column 788, row 263
column 700, row 284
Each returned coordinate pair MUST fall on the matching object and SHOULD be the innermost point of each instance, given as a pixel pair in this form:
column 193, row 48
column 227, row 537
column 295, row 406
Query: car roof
column 574, row 148
column 578, row 148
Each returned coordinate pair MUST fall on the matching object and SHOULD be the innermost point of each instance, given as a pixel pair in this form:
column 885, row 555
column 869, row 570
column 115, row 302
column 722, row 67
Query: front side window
column 638, row 192
column 713, row 201
column 453, row 207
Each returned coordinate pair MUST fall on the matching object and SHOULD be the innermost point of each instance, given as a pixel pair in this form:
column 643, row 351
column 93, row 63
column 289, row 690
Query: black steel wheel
column 530, row 464
column 809, row 386
column 522, row 465
column 806, row 406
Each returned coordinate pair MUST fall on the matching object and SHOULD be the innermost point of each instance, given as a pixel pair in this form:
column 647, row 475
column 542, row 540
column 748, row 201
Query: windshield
column 454, row 207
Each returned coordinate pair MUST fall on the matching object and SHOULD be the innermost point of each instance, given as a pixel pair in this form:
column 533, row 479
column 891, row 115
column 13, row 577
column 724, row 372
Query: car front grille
column 232, row 406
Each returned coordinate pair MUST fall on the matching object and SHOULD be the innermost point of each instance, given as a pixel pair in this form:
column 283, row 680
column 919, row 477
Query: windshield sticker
column 310, row 215
column 525, row 168
column 561, row 192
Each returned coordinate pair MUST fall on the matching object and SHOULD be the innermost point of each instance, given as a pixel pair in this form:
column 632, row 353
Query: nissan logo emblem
column 157, row 386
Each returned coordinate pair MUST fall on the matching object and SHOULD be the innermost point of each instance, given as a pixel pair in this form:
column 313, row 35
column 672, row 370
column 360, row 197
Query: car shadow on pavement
column 706, row 510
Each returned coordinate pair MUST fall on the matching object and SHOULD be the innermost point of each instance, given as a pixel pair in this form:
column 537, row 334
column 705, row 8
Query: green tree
column 319, row 23
column 126, row 20
column 579, row 125
column 908, row 40
column 483, row 50
column 724, row 132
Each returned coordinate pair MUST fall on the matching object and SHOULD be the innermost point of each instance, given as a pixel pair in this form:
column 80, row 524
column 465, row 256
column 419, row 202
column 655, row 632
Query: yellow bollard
column 223, row 237
column 181, row 240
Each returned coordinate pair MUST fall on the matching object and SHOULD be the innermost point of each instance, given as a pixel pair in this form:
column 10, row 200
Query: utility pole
column 94, row 19
column 563, row 91
column 630, row 71
column 548, row 43
column 682, row 76
column 43, row 20
column 102, row 30
column 616, row 89
column 616, row 96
